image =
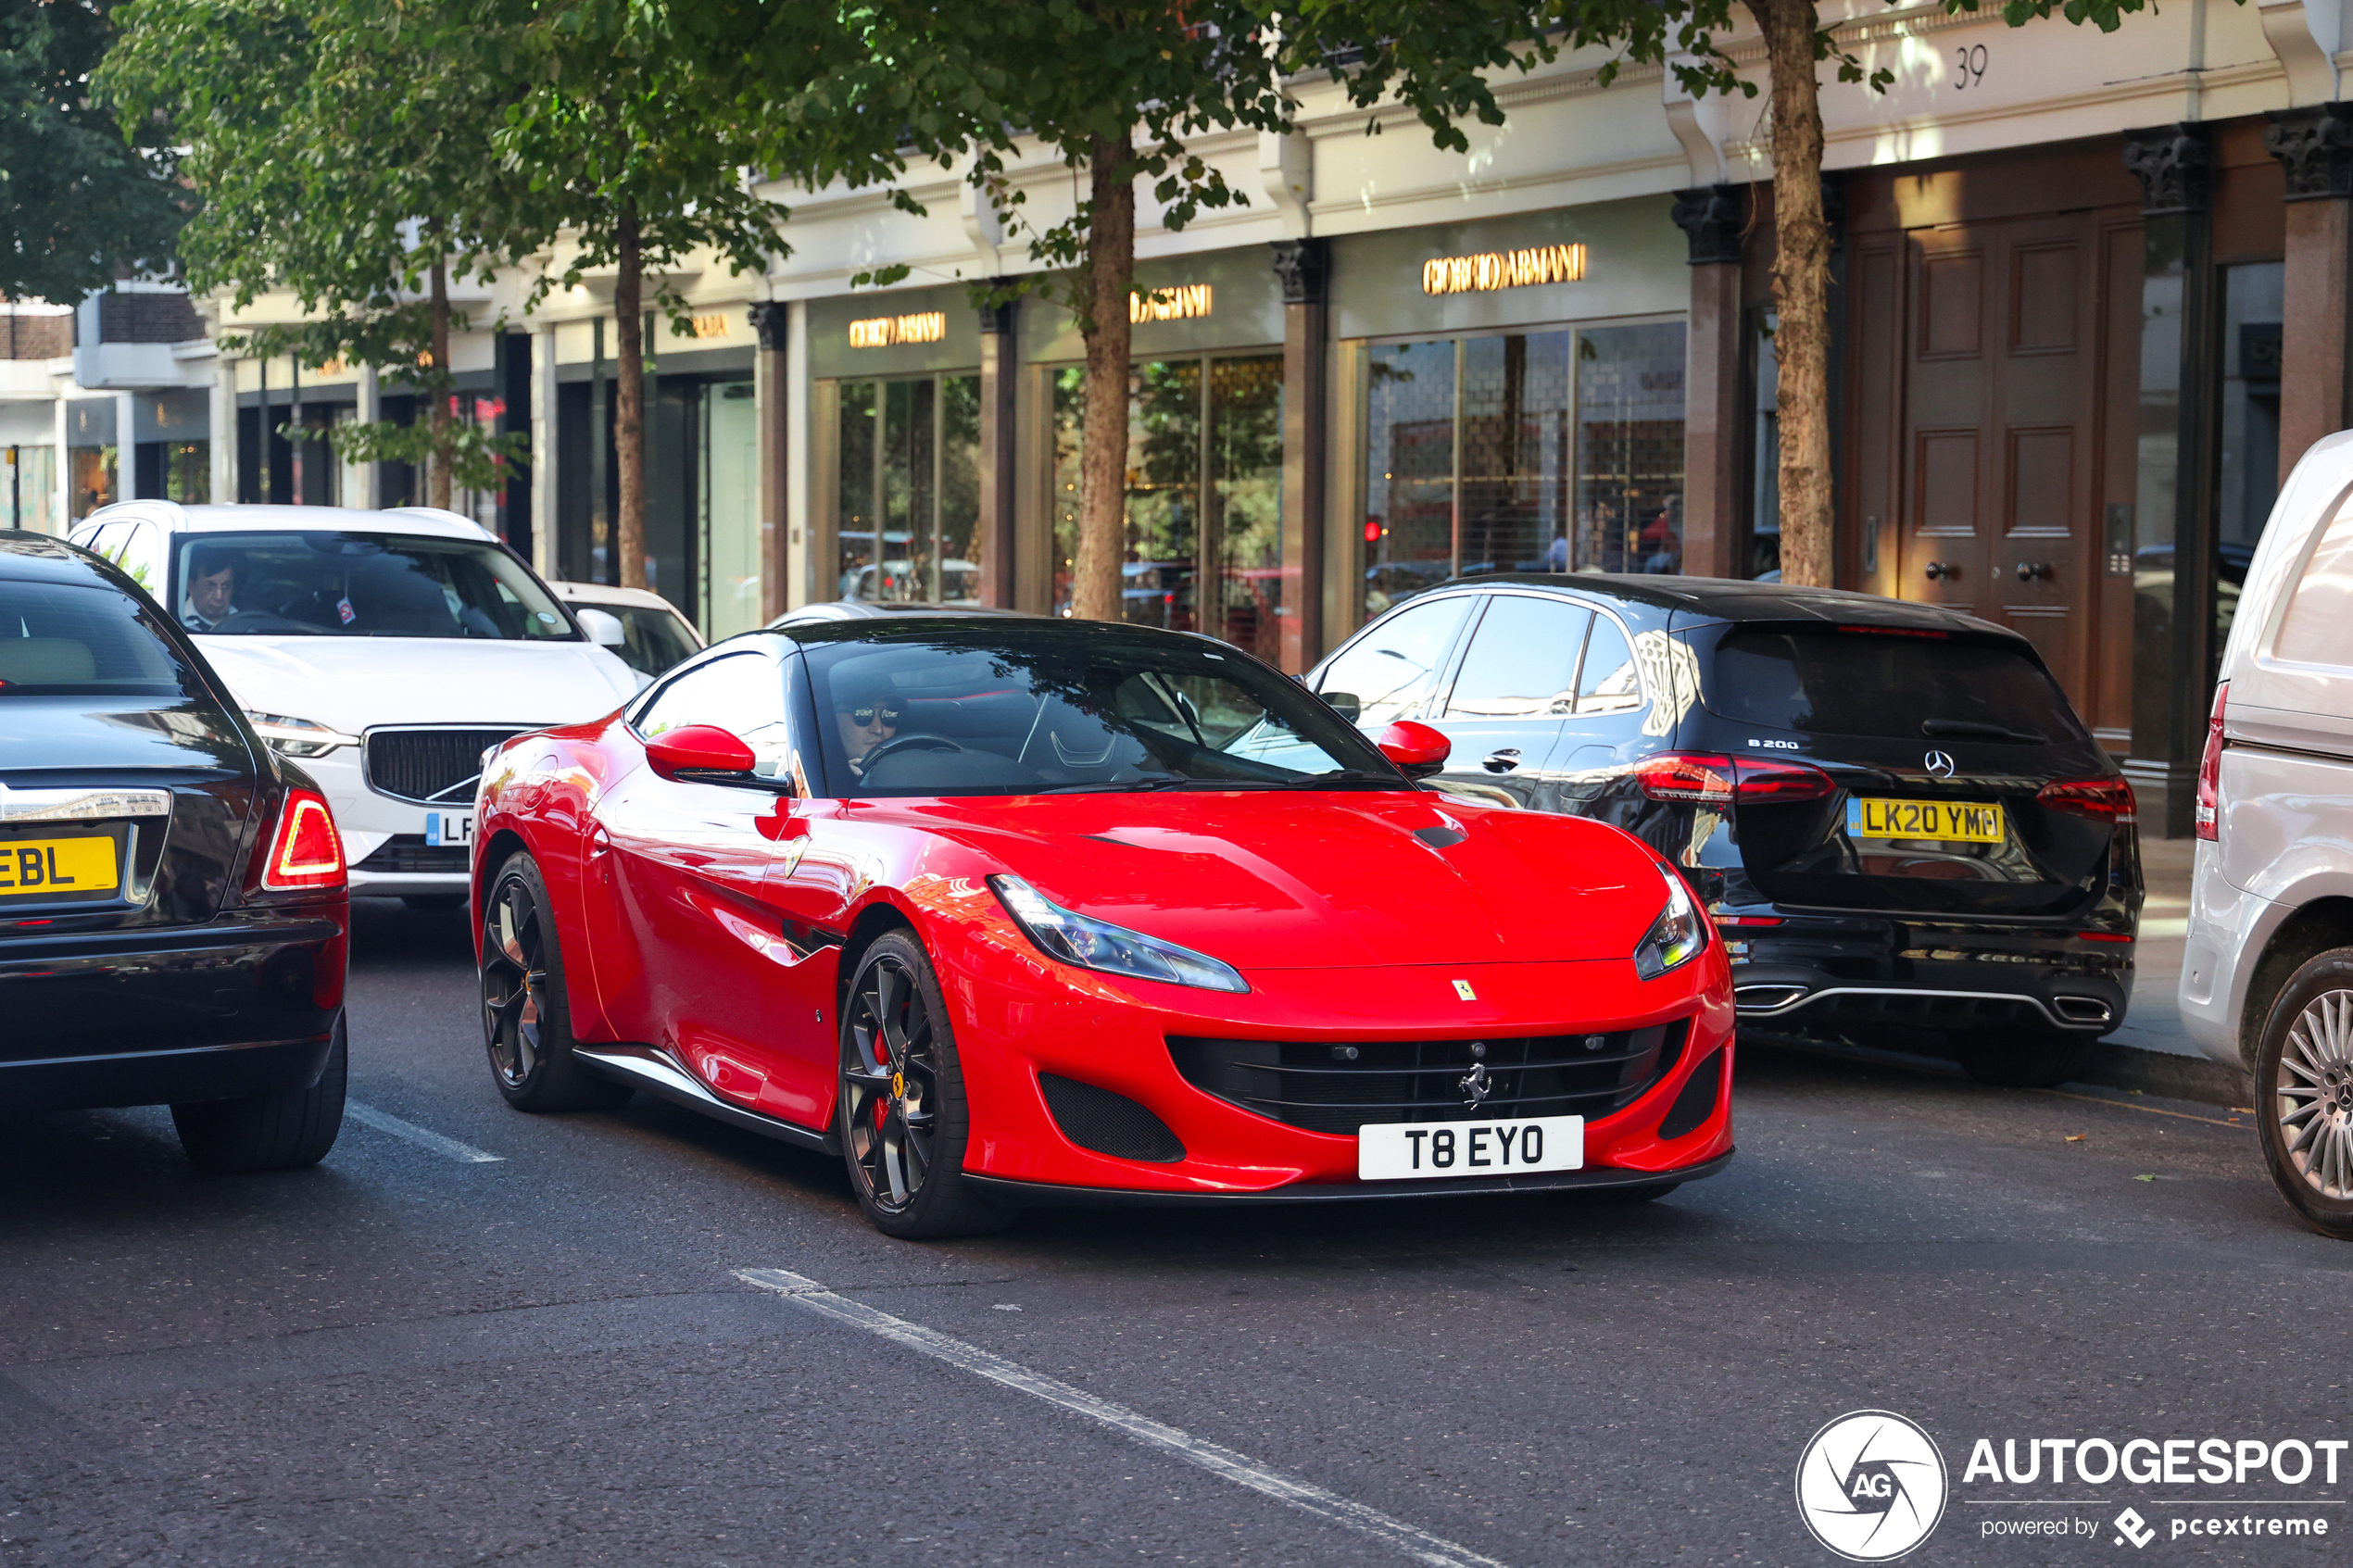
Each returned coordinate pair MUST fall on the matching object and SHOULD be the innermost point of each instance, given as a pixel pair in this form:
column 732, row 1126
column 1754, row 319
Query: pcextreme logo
column 1870, row 1485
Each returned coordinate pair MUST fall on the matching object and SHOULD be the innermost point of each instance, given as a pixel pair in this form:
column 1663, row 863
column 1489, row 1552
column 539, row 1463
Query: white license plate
column 449, row 828
column 1393, row 1151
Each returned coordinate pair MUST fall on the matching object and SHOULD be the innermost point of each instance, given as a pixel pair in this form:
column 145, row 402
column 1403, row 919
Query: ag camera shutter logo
column 1870, row 1485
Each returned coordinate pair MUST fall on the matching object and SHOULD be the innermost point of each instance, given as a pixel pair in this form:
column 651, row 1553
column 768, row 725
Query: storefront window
column 2252, row 300
column 1474, row 462
column 730, row 496
column 1195, row 426
column 910, row 495
column 31, row 489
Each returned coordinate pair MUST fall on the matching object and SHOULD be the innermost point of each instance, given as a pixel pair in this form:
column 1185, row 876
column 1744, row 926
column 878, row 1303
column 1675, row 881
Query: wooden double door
column 1993, row 398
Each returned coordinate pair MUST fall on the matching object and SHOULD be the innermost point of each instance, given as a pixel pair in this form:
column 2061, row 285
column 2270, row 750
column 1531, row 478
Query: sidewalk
column 2150, row 1051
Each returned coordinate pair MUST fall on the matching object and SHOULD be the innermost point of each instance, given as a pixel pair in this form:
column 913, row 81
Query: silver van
column 2267, row 974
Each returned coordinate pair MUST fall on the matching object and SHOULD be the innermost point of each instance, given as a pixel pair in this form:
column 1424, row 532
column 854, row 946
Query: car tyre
column 2304, row 1092
column 287, row 1131
column 903, row 1117
column 526, row 1018
column 2021, row 1058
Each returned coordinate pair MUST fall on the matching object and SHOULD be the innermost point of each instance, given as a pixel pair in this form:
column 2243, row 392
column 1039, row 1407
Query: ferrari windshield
column 1065, row 706
column 287, row 583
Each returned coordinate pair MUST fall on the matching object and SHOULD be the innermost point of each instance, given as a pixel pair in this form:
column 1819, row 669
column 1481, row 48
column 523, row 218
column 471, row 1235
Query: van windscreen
column 1841, row 682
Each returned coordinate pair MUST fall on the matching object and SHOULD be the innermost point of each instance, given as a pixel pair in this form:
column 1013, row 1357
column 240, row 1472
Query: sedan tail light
column 305, row 850
column 1717, row 781
column 2111, row 798
column 2209, row 771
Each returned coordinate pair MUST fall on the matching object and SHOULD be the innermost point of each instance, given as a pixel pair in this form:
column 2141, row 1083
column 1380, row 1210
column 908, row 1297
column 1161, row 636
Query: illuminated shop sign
column 1169, row 305
column 708, row 326
column 1504, row 270
column 882, row 332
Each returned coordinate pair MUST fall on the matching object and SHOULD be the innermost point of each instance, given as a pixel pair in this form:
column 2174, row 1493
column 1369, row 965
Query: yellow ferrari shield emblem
column 1463, row 989
column 898, row 1085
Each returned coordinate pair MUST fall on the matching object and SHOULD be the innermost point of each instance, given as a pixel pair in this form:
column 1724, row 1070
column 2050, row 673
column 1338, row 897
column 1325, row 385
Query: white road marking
column 1414, row 1541
column 384, row 1121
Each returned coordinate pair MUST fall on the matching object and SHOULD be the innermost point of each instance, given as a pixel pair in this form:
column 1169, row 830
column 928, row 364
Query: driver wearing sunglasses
column 868, row 717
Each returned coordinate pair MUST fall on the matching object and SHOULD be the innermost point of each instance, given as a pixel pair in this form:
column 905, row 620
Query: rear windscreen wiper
column 1975, row 727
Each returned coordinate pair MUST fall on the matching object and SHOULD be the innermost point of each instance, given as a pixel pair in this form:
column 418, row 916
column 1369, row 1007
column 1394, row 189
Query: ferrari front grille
column 429, row 767
column 1338, row 1086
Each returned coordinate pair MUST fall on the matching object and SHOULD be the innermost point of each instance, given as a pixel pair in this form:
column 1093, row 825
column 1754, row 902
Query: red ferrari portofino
column 1020, row 911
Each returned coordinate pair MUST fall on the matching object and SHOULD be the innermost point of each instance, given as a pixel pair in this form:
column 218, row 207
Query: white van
column 2267, row 975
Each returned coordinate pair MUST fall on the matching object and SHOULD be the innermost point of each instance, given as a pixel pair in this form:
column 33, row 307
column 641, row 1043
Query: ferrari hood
column 352, row 682
column 1339, row 880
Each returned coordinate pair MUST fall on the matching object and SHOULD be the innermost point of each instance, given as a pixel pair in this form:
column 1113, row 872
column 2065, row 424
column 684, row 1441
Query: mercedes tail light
column 2109, row 798
column 305, row 850
column 1686, row 775
column 1710, row 780
column 2209, row 771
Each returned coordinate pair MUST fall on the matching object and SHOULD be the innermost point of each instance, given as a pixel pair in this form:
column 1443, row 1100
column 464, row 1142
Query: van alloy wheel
column 2315, row 1092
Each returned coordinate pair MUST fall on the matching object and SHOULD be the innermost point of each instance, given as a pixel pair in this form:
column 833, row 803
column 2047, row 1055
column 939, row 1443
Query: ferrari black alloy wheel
column 903, row 1117
column 524, row 1021
column 2304, row 1092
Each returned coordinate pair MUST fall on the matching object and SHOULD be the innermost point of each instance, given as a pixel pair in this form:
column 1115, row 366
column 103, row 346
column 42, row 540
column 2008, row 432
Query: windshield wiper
column 1975, row 727
column 1347, row 776
column 1158, row 781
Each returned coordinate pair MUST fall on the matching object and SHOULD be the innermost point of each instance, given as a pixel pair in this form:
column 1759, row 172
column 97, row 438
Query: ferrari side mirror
column 1417, row 749
column 697, row 752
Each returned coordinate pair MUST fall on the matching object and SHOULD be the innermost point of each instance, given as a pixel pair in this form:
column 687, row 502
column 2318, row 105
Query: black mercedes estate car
column 1904, row 832
column 173, row 912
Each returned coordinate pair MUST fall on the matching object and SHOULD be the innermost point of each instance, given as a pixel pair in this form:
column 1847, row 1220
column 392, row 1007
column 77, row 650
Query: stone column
column 801, row 579
column 63, row 478
column 546, row 557
column 223, row 448
column 999, row 382
column 2173, row 564
column 772, row 403
column 126, row 446
column 1714, row 220
column 2315, row 147
column 1304, row 266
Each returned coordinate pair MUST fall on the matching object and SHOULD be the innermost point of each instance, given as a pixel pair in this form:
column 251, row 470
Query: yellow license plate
column 55, row 868
column 1943, row 822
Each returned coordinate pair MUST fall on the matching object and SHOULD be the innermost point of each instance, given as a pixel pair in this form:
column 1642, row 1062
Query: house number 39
column 1968, row 67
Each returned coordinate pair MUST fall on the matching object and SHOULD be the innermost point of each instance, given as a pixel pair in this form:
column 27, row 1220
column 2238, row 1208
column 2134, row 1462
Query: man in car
column 212, row 585
column 868, row 716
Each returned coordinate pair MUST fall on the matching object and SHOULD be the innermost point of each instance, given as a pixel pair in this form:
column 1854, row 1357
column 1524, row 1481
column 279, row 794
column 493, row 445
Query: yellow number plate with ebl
column 1944, row 822
column 51, row 868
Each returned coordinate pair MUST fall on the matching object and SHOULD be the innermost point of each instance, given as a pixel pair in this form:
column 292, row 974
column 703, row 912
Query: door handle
column 1937, row 568
column 2028, row 571
column 1503, row 760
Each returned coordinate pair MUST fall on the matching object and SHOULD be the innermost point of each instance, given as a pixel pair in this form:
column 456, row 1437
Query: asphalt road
column 406, row 1357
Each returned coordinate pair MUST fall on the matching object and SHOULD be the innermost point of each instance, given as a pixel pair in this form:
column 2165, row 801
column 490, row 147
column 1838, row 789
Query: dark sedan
column 173, row 912
column 1901, row 827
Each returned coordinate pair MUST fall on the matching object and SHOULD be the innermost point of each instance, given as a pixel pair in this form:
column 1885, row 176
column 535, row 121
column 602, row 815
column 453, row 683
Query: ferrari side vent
column 1107, row 1123
column 1697, row 1102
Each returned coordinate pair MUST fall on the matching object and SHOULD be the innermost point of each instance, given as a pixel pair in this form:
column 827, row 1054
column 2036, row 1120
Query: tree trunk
column 1105, row 286
column 629, row 413
column 1801, row 291
column 442, row 416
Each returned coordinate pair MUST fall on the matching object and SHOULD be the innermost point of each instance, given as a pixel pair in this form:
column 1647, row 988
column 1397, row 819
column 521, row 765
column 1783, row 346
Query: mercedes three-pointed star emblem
column 1939, row 764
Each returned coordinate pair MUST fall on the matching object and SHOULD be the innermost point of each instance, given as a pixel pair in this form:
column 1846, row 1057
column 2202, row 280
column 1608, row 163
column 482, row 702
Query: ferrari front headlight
column 1093, row 943
column 1677, row 936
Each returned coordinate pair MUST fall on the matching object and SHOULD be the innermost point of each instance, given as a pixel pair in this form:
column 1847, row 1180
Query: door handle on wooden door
column 2028, row 571
column 1937, row 568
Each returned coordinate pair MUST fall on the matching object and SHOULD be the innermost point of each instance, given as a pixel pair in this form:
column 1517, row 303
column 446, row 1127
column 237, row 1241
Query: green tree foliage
column 82, row 199
column 344, row 153
column 635, row 150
